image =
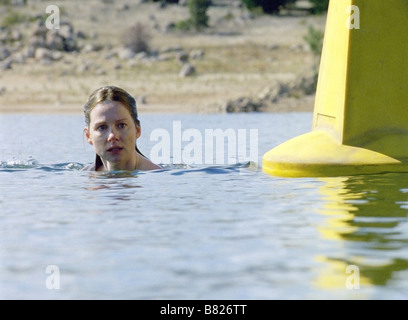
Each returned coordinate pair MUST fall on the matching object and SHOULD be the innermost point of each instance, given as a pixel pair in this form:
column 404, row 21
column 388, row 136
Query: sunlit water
column 191, row 232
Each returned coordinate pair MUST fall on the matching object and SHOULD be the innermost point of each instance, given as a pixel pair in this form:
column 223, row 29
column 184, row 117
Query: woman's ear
column 88, row 136
column 138, row 131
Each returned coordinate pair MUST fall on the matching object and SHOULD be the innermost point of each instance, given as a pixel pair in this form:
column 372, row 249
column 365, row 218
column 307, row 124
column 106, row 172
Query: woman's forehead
column 110, row 110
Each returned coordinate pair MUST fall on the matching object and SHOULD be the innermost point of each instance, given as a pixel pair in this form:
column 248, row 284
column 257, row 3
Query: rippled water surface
column 191, row 232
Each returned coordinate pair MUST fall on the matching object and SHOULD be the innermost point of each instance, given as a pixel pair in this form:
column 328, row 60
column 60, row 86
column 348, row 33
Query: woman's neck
column 128, row 165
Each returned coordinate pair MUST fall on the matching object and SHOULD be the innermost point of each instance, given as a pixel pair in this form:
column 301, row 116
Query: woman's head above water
column 110, row 93
column 112, row 128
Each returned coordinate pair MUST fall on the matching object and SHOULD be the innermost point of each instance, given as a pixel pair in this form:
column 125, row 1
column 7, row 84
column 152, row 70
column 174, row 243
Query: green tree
column 198, row 13
column 319, row 6
column 314, row 38
column 268, row 6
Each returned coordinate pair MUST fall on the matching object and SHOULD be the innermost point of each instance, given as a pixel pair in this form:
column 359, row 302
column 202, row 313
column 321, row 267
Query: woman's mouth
column 114, row 150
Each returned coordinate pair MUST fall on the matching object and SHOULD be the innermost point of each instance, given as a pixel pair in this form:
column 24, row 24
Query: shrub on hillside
column 268, row 6
column 198, row 12
column 166, row 1
column 198, row 15
column 319, row 6
column 137, row 38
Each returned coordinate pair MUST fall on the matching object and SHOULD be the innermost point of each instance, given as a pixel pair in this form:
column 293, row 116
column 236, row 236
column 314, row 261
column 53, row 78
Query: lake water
column 205, row 231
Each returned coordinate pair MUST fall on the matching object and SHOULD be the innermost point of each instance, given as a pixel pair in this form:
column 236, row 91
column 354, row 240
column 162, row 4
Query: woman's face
column 113, row 134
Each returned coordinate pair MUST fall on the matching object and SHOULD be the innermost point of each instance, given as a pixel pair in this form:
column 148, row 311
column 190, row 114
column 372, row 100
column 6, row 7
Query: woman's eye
column 101, row 127
column 122, row 125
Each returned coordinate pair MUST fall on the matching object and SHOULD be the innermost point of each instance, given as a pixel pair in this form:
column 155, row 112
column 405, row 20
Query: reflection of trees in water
column 367, row 215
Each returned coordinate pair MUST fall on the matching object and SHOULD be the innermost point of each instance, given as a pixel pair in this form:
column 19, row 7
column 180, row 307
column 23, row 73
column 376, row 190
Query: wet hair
column 110, row 93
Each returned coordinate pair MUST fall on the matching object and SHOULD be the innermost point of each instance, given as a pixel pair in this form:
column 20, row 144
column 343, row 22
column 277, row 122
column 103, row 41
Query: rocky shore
column 241, row 63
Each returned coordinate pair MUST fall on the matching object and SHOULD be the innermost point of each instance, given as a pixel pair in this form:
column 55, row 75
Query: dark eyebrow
column 103, row 121
column 99, row 123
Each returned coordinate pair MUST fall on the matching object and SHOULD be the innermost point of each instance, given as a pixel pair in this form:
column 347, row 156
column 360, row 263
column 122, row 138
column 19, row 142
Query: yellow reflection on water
column 339, row 211
column 363, row 215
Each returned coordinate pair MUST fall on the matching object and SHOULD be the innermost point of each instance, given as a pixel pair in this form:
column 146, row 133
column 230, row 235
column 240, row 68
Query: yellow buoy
column 360, row 118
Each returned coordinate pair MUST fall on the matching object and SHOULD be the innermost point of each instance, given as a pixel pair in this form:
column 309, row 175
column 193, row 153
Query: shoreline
column 78, row 109
column 285, row 105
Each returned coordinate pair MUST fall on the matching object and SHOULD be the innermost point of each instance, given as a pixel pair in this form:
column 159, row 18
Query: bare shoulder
column 89, row 167
column 146, row 164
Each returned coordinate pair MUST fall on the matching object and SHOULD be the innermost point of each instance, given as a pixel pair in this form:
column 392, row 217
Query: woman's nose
column 113, row 135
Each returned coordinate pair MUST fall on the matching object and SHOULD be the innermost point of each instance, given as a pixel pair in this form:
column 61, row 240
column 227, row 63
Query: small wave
column 31, row 163
column 174, row 169
column 167, row 166
column 19, row 164
column 216, row 169
column 62, row 166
